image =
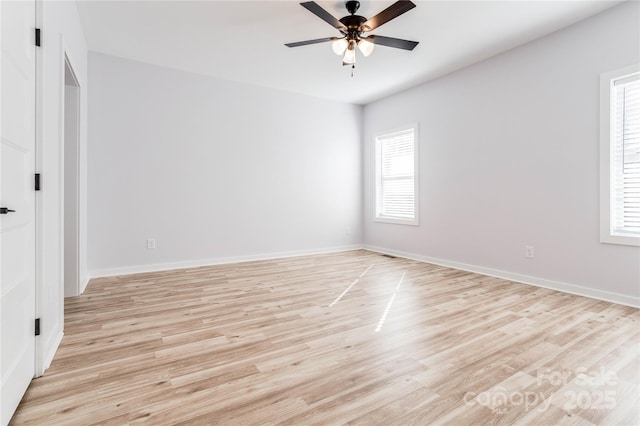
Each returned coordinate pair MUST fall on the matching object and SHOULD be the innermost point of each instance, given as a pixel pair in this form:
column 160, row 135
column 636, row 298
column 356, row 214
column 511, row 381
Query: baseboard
column 83, row 283
column 46, row 362
column 620, row 299
column 158, row 267
column 606, row 296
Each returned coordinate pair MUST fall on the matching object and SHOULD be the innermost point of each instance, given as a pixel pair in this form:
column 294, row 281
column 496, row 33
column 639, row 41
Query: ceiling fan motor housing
column 353, row 22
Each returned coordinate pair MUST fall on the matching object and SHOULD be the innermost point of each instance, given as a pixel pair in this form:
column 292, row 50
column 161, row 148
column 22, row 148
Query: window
column 396, row 182
column 620, row 156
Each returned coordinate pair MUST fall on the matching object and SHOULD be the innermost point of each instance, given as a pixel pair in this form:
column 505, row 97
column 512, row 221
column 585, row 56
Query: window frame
column 607, row 146
column 377, row 176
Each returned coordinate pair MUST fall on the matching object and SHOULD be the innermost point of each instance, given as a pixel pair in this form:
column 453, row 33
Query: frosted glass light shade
column 339, row 46
column 349, row 56
column 366, row 47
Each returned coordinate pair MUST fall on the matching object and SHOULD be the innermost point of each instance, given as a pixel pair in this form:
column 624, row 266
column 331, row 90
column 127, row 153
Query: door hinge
column 37, row 326
column 37, row 183
column 37, row 36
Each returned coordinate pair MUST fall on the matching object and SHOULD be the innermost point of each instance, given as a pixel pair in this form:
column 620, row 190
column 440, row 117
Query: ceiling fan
column 352, row 28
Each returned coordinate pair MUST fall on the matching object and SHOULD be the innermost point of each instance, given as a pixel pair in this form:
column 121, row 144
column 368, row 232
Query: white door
column 17, row 228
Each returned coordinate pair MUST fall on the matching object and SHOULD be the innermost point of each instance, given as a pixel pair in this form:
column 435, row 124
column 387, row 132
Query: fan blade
column 393, row 11
column 398, row 43
column 304, row 43
column 315, row 8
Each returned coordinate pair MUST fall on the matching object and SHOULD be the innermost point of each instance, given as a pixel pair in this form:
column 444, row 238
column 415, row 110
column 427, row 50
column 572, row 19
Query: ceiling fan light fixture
column 349, row 57
column 339, row 46
column 366, row 47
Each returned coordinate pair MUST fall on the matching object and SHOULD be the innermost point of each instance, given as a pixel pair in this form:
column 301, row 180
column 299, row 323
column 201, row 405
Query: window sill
column 620, row 240
column 412, row 222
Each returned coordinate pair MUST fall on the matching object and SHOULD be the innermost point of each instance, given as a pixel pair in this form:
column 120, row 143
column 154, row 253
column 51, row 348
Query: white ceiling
column 244, row 40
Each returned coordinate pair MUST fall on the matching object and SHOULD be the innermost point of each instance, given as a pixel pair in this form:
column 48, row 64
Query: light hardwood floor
column 283, row 341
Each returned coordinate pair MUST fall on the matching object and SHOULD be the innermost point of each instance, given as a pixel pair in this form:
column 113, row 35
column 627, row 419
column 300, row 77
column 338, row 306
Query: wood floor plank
column 346, row 338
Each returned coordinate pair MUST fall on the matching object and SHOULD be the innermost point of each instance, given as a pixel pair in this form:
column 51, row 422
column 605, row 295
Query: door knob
column 5, row 210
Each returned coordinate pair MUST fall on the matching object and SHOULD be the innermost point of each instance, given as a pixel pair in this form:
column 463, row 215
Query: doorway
column 71, row 181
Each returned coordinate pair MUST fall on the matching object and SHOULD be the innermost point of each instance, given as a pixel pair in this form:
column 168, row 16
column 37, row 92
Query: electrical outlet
column 529, row 252
column 151, row 243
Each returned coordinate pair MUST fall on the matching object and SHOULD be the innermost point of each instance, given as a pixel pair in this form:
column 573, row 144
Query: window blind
column 395, row 192
column 625, row 171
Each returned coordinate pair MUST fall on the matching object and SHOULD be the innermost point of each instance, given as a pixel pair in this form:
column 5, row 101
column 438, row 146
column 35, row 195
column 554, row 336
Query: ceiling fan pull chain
column 353, row 67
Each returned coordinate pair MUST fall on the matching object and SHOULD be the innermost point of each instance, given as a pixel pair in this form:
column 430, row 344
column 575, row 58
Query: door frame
column 55, row 52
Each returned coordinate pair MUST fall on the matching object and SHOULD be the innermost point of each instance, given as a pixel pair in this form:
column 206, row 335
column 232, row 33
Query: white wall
column 71, row 137
column 214, row 170
column 509, row 157
column 61, row 33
